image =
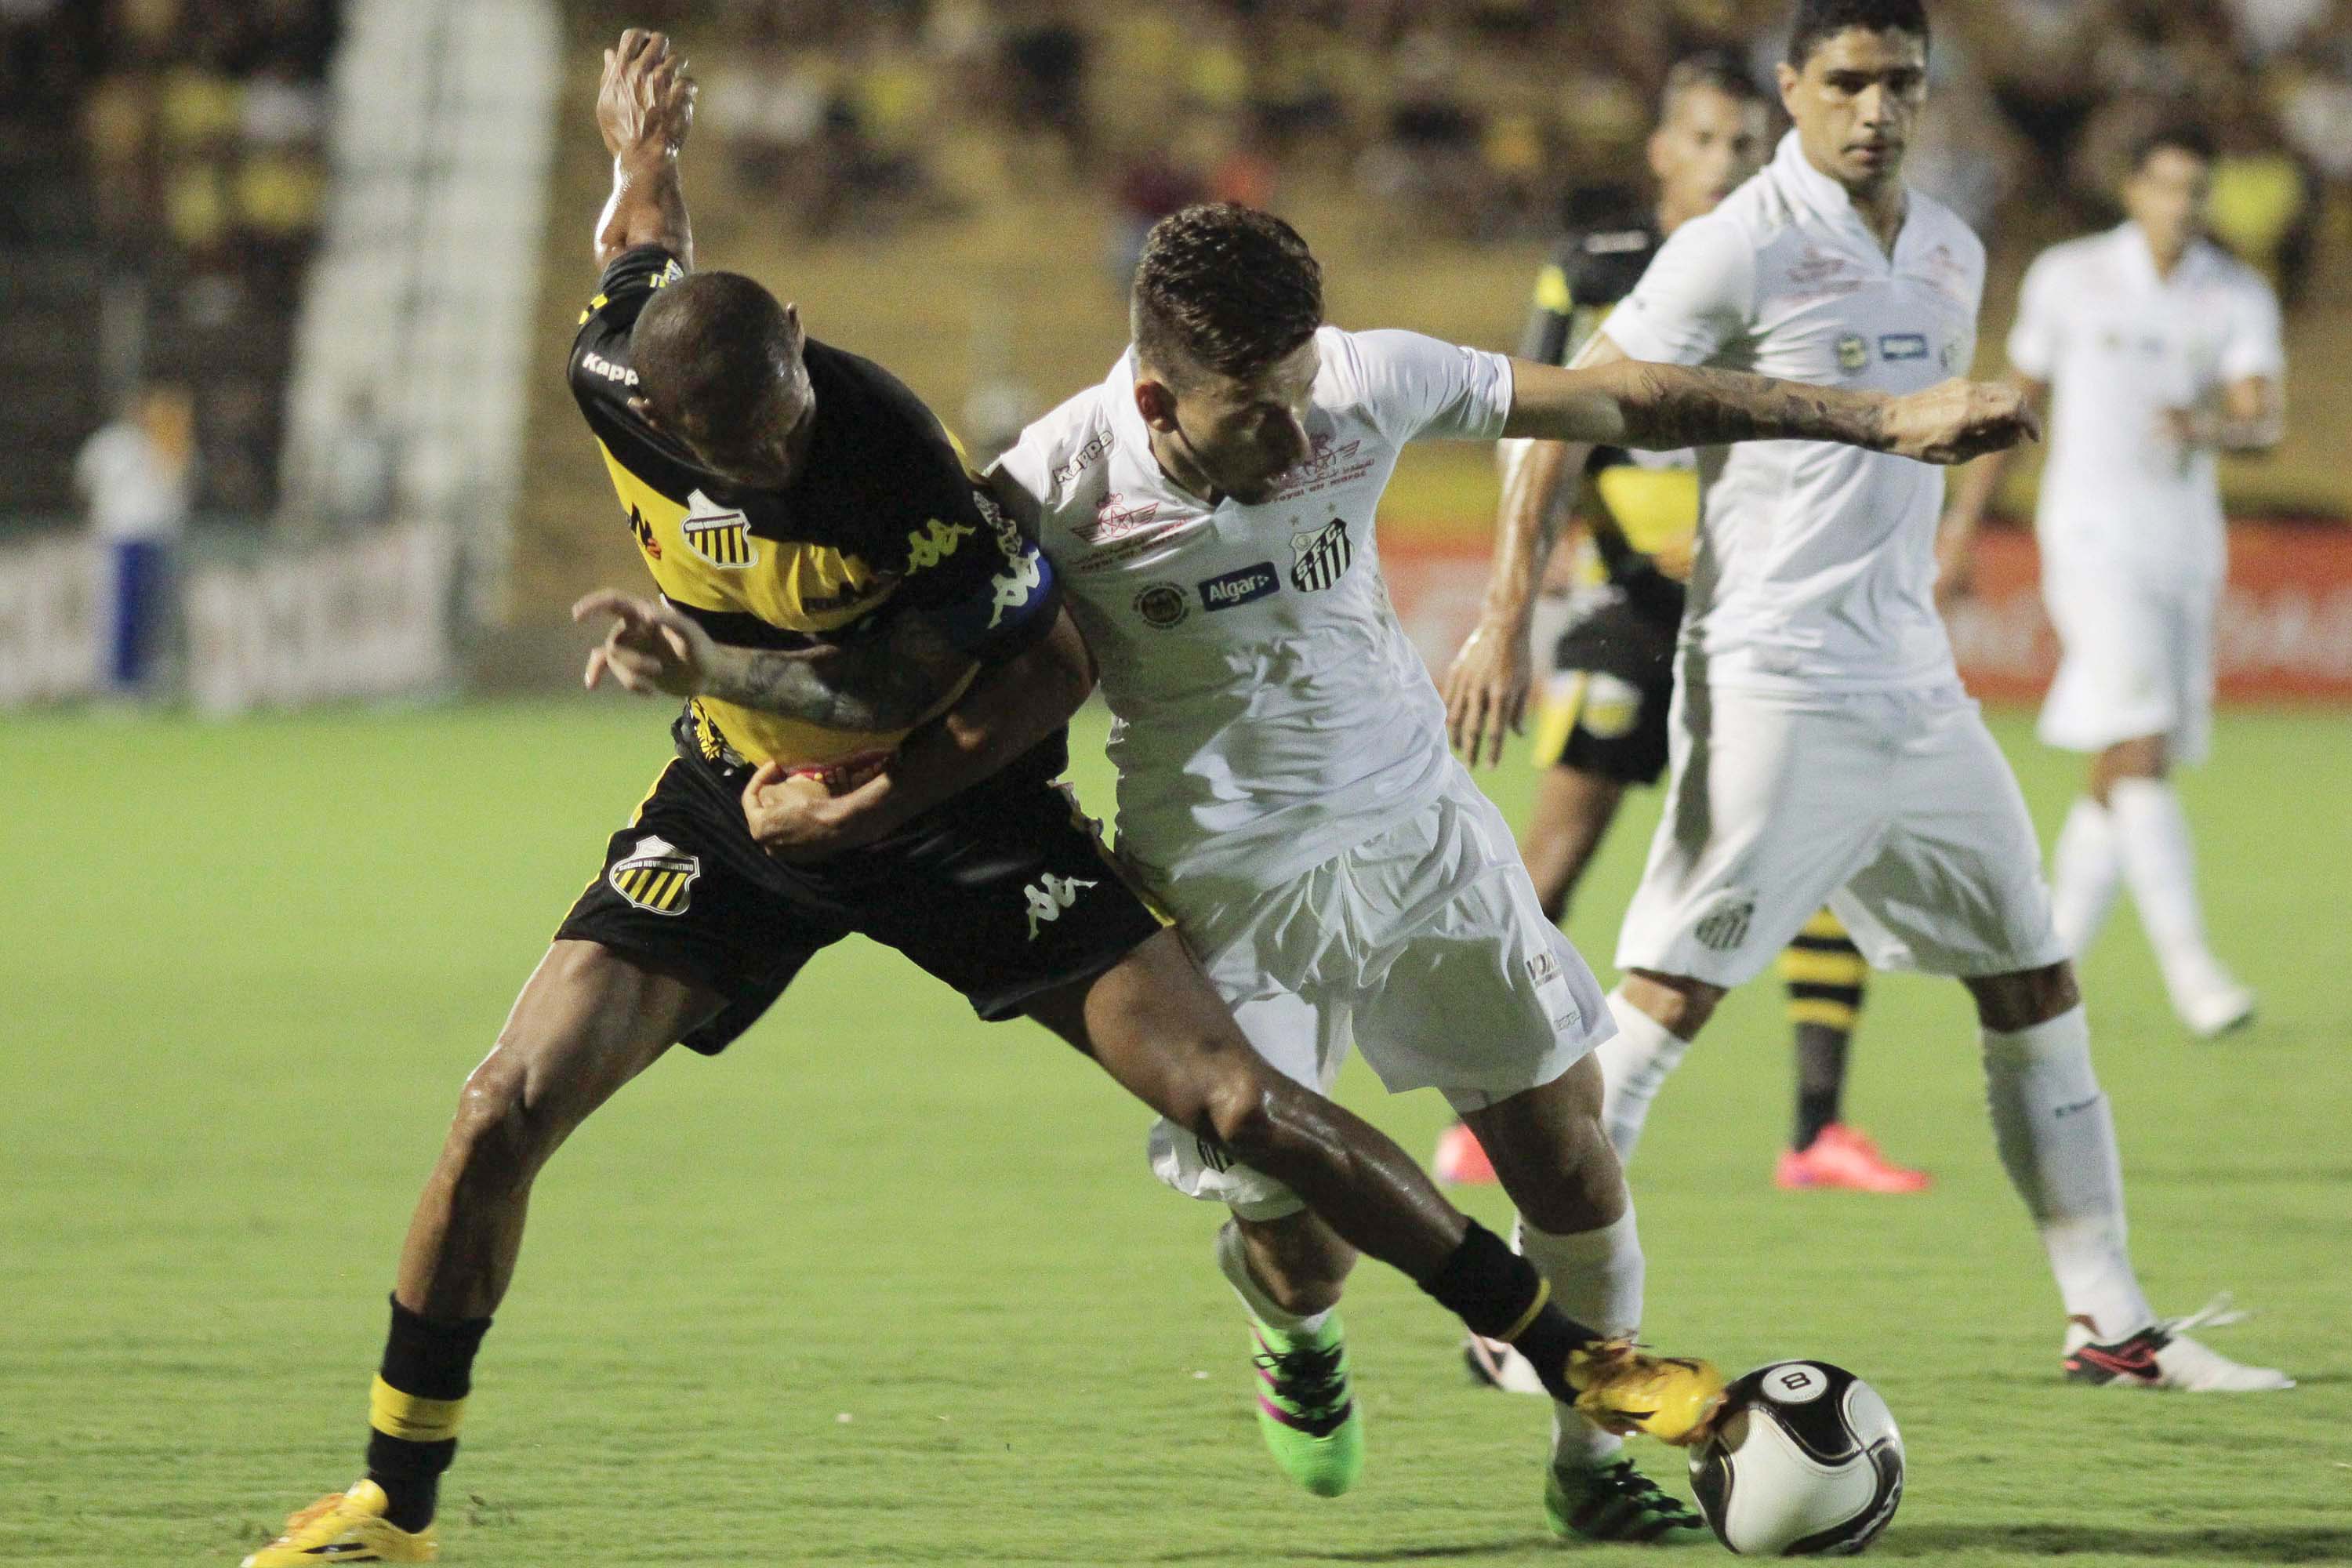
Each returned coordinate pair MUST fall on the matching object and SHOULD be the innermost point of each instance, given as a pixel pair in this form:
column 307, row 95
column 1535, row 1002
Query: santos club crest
column 655, row 878
column 1321, row 558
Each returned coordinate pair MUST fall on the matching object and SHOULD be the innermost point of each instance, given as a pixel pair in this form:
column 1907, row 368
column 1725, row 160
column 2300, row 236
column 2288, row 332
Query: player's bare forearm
column 1005, row 713
column 875, row 684
column 1976, row 485
column 644, row 106
column 1629, row 402
column 1535, row 475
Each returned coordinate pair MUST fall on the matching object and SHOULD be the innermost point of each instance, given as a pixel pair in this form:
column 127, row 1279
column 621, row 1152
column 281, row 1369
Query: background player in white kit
column 2160, row 350
column 1823, row 747
column 1284, row 788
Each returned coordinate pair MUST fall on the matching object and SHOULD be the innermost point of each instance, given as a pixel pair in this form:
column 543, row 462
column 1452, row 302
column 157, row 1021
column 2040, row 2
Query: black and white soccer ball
column 1803, row 1460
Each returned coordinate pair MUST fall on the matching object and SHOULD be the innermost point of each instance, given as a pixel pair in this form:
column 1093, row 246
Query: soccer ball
column 1804, row 1458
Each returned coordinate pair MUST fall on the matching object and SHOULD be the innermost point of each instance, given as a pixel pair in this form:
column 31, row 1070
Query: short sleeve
column 2034, row 336
column 599, row 370
column 986, row 585
column 1420, row 388
column 1695, row 301
column 2255, row 346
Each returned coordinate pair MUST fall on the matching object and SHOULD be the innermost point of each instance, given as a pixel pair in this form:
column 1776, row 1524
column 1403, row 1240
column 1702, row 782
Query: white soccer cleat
column 2163, row 1356
column 1499, row 1365
column 2213, row 1010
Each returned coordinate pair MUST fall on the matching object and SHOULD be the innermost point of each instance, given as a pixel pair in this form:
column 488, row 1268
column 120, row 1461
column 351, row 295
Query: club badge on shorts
column 655, row 878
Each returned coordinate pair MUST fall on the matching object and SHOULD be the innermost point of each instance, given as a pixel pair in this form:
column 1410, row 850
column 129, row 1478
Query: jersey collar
column 1826, row 199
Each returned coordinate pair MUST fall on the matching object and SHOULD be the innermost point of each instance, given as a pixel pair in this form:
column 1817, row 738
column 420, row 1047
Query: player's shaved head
column 719, row 364
column 1225, row 289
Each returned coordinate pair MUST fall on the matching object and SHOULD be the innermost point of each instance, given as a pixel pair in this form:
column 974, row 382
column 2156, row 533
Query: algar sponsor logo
column 1232, row 588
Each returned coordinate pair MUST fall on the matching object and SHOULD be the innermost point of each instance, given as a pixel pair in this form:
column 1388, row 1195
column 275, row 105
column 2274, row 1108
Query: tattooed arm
column 1559, row 415
column 1625, row 402
column 891, row 680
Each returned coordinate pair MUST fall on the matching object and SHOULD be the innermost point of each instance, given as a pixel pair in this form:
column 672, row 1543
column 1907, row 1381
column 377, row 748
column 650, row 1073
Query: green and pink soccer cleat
column 1306, row 1407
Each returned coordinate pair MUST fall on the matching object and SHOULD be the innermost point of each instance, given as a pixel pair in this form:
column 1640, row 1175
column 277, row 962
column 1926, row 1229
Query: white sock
column 2057, row 1140
column 1633, row 1067
column 2085, row 872
column 1233, row 1262
column 2161, row 864
column 1596, row 1278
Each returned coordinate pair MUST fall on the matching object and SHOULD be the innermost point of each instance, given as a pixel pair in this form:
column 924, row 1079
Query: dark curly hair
column 1227, row 287
column 1818, row 21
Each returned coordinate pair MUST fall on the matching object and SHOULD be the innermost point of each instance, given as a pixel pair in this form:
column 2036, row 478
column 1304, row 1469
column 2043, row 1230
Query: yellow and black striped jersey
column 1652, row 497
column 885, row 519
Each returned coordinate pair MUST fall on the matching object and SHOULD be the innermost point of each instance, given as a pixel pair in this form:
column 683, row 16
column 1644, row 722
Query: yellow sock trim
column 1813, row 1010
column 1535, row 1308
column 1807, row 965
column 1823, row 924
column 410, row 1418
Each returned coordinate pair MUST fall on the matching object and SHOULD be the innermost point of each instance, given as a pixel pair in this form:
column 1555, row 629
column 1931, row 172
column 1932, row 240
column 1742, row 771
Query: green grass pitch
column 885, row 1286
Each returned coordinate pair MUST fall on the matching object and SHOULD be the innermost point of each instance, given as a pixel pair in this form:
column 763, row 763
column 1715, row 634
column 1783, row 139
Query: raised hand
column 646, row 103
column 1956, row 420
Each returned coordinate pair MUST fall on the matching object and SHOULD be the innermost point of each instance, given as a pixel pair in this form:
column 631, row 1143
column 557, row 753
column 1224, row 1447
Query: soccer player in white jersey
column 1823, row 748
column 1284, row 788
column 2160, row 350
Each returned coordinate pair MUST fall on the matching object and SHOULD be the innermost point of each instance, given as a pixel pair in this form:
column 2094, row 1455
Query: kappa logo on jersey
column 1321, row 558
column 1162, row 605
column 1727, row 928
column 1048, row 902
column 655, row 878
column 1015, row 584
column 935, row 541
column 721, row 537
column 1240, row 587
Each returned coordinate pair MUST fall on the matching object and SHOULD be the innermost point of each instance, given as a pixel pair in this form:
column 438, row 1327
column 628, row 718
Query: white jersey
column 1270, row 712
column 1815, row 569
column 2119, row 345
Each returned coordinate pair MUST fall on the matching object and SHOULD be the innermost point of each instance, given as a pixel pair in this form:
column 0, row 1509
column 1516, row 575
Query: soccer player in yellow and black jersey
column 1601, row 727
column 836, row 595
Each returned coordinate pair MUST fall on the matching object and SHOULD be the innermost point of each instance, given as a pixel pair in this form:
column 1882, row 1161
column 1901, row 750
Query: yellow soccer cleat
column 1670, row 1398
column 345, row 1527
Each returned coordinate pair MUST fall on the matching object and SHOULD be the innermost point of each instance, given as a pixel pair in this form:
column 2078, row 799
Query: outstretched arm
column 645, row 107
column 1631, row 404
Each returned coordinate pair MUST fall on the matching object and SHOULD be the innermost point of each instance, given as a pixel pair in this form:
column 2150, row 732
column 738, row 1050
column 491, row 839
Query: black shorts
column 1004, row 892
column 1615, row 681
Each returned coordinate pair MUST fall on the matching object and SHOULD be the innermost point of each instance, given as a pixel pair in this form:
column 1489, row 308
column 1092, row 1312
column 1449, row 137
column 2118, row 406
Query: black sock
column 1820, row 1080
column 409, row 1445
column 1500, row 1296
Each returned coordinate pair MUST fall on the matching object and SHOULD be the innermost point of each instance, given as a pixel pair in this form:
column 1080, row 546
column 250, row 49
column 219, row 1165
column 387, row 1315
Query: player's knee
column 2007, row 1002
column 499, row 1137
column 1236, row 1105
column 1681, row 1004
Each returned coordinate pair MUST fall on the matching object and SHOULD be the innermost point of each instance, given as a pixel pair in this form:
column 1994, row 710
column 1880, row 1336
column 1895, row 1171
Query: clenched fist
column 1956, row 420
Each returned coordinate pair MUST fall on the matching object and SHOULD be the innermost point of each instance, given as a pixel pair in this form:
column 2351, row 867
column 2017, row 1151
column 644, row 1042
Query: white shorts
column 1897, row 809
column 1423, row 947
column 2139, row 661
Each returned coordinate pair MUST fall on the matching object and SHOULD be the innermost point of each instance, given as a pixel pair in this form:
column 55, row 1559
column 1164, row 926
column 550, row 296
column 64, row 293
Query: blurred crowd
column 1478, row 118
column 175, row 151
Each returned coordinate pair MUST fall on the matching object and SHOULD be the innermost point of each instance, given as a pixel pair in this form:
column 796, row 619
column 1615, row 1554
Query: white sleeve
column 2034, row 337
column 1695, row 299
column 1414, row 387
column 2255, row 345
column 1018, row 479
